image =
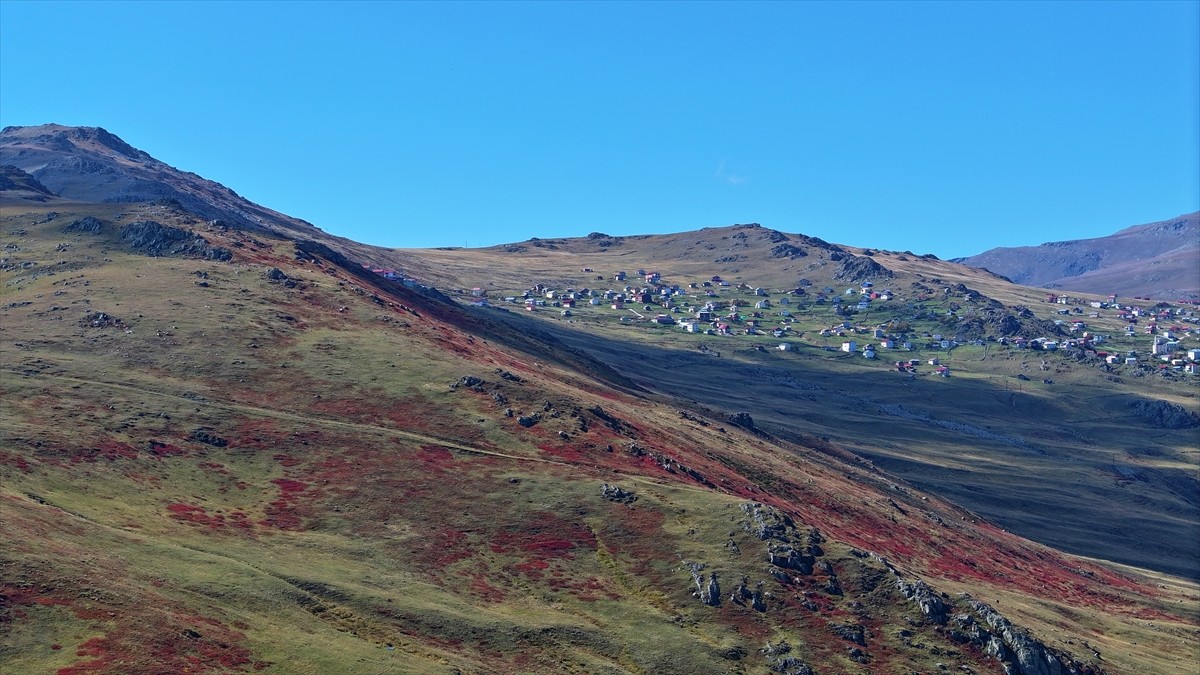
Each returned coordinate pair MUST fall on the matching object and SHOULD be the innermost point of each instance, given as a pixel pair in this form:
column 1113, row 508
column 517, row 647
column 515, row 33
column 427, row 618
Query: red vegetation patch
column 159, row 449
column 14, row 460
column 198, row 515
column 109, row 449
column 172, row 648
column 258, row 434
column 166, row 641
column 435, row 459
column 483, row 589
column 284, row 513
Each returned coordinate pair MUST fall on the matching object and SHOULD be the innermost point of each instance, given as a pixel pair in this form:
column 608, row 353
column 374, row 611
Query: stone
column 615, row 494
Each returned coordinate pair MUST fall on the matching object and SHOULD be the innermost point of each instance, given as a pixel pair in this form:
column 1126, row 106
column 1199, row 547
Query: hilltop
column 1158, row 260
column 238, row 448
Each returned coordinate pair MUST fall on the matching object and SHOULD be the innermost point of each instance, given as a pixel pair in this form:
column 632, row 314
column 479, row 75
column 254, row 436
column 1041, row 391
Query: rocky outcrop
column 85, row 225
column 708, row 592
column 153, row 238
column 1017, row 651
column 205, row 435
column 100, row 320
column 861, row 268
column 783, row 555
column 615, row 494
column 930, row 603
column 1164, row 415
column 789, row 251
column 766, row 522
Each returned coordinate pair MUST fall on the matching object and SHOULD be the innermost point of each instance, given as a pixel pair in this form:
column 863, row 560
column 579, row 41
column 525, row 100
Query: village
column 862, row 320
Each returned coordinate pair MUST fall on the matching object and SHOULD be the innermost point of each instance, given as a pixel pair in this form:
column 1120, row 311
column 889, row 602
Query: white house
column 850, row 346
column 785, row 347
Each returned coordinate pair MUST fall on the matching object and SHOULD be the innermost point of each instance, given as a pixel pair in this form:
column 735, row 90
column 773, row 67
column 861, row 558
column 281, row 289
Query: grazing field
column 278, row 461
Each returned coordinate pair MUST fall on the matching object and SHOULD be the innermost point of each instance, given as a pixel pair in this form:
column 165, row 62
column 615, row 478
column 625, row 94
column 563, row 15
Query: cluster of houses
column 674, row 305
column 392, row 275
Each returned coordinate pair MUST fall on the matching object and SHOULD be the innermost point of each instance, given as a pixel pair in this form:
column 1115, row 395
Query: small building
column 869, row 353
column 850, row 346
column 785, row 347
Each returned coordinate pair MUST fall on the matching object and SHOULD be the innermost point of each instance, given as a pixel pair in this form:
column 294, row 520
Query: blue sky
column 937, row 127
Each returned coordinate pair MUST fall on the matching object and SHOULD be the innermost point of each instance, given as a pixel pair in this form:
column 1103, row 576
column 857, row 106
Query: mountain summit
column 90, row 164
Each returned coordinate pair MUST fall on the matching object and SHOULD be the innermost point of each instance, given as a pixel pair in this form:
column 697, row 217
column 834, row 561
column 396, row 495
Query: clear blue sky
column 938, row 127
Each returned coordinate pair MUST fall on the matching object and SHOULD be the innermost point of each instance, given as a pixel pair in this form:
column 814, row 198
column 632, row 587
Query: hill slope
column 1030, row 438
column 230, row 450
column 1158, row 260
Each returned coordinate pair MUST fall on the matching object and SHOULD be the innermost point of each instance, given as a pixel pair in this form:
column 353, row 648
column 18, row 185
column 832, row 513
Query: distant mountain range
column 1158, row 260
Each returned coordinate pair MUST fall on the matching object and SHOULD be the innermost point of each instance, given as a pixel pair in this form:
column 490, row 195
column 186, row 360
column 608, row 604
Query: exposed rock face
column 852, row 632
column 206, row 436
column 783, row 555
column 790, row 665
column 858, row 268
column 766, row 522
column 710, row 592
column 152, row 238
column 931, row 605
column 789, row 251
column 85, row 225
column 1019, row 653
column 615, row 494
column 984, row 627
column 1165, row 415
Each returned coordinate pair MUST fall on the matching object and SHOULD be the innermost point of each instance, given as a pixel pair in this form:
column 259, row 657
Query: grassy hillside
column 1052, row 445
column 242, row 453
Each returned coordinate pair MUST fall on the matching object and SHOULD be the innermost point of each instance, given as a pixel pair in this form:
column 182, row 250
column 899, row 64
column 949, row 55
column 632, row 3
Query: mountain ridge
column 279, row 458
column 1160, row 260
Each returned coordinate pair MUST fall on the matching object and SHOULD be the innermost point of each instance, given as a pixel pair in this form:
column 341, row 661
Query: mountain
column 231, row 448
column 89, row 164
column 1158, row 260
